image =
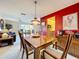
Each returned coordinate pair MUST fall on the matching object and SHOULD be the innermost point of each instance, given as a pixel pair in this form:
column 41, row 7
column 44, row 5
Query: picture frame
column 70, row 21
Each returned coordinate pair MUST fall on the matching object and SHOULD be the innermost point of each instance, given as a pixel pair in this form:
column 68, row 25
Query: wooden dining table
column 38, row 44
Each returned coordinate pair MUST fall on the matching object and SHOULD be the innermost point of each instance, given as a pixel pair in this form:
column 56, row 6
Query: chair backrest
column 24, row 45
column 21, row 38
column 69, row 39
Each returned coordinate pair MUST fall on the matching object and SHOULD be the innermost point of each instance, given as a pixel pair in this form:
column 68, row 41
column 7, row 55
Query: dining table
column 38, row 43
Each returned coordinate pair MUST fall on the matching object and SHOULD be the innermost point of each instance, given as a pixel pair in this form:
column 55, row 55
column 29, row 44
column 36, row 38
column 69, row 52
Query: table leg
column 37, row 54
column 55, row 45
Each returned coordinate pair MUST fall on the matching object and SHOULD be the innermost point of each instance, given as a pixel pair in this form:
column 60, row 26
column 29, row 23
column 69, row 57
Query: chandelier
column 35, row 21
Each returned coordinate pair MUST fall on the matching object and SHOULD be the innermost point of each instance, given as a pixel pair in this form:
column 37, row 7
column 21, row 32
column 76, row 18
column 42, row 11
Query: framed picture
column 70, row 22
column 51, row 23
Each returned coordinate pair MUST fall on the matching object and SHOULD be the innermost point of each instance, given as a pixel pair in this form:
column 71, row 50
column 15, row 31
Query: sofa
column 9, row 41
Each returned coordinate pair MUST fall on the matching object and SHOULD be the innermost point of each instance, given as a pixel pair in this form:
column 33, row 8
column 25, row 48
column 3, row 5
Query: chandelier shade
column 35, row 21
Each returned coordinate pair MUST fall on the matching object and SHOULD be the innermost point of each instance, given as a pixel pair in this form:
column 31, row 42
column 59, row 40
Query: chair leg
column 20, row 46
column 65, row 56
column 43, row 55
column 55, row 45
column 22, row 54
column 26, row 54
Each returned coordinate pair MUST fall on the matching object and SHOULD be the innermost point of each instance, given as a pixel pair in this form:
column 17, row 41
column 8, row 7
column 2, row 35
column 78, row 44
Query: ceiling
column 12, row 9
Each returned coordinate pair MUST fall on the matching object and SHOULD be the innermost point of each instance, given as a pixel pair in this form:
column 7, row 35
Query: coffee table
column 8, row 40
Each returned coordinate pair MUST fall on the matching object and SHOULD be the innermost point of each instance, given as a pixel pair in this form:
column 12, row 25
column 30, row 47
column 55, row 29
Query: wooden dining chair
column 57, row 55
column 26, row 48
column 20, row 33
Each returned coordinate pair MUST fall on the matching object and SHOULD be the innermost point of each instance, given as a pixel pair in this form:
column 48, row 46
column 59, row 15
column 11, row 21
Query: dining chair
column 19, row 32
column 26, row 48
column 58, row 55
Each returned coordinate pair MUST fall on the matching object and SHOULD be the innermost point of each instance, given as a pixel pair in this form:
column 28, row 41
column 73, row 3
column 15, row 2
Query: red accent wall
column 71, row 9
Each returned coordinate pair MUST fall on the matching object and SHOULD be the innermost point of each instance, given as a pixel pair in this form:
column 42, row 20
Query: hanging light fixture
column 35, row 21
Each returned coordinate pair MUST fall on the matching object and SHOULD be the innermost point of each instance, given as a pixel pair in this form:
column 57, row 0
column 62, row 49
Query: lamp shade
column 35, row 21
